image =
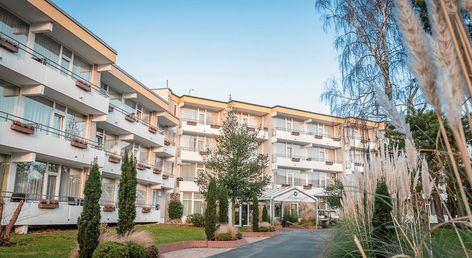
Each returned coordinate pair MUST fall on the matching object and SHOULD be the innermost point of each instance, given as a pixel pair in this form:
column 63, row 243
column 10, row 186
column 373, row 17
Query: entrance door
column 237, row 214
column 244, row 214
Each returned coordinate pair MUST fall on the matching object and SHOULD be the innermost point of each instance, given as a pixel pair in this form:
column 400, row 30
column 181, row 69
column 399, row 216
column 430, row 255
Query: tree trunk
column 14, row 217
column 233, row 211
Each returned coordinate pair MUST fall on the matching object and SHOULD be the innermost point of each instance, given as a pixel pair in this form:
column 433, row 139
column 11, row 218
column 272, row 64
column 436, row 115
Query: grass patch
column 61, row 243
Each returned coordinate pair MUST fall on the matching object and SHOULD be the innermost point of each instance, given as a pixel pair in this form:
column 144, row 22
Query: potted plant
column 358, row 164
column 336, row 139
column 294, row 159
column 9, row 45
column 165, row 176
column 203, row 153
column 78, row 143
column 140, row 166
column 295, row 133
column 318, row 136
column 109, row 208
column 131, row 118
column 215, row 126
column 251, row 129
column 113, row 158
column 156, row 171
column 110, row 108
column 48, row 204
column 193, row 123
column 146, row 209
column 22, row 127
column 308, row 186
column 152, row 129
column 83, row 85
column 167, row 142
column 285, row 185
column 329, row 162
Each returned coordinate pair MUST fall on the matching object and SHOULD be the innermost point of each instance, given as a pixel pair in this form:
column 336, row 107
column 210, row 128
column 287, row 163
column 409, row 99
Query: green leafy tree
column 382, row 224
column 334, row 194
column 265, row 214
column 223, row 208
column 89, row 220
column 127, row 196
column 176, row 208
column 236, row 162
column 210, row 212
column 255, row 214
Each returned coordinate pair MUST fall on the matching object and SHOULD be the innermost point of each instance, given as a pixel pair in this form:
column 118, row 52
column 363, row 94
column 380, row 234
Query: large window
column 47, row 47
column 108, row 191
column 8, row 97
column 290, row 176
column 189, row 114
column 81, row 68
column 38, row 109
column 29, row 179
column 13, row 27
column 76, row 124
column 187, row 172
column 193, row 203
column 187, row 202
column 141, row 195
column 70, row 183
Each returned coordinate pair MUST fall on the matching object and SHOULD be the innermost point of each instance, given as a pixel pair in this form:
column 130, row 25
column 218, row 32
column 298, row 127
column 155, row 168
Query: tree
column 255, row 214
column 127, row 196
column 89, row 220
column 382, row 223
column 223, row 202
column 334, row 194
column 236, row 162
column 176, row 208
column 210, row 212
column 265, row 214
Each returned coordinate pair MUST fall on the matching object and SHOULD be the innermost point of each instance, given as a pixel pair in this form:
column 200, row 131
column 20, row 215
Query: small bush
column 110, row 250
column 196, row 220
column 265, row 214
column 176, row 208
column 266, row 229
column 224, row 237
column 152, row 251
column 135, row 250
column 227, row 228
column 293, row 218
column 239, row 235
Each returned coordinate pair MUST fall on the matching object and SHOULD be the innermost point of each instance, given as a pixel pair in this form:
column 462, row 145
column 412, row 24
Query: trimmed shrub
column 176, row 208
column 127, row 196
column 255, row 214
column 152, row 251
column 111, row 250
column 135, row 250
column 223, row 208
column 265, row 214
column 224, row 237
column 210, row 212
column 196, row 220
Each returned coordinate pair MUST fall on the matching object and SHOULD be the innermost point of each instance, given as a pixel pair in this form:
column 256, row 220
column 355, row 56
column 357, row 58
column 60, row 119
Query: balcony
column 38, row 75
column 167, row 181
column 306, row 163
column 305, row 138
column 168, row 150
column 23, row 136
column 112, row 165
column 148, row 174
column 191, row 155
column 194, row 127
column 130, row 128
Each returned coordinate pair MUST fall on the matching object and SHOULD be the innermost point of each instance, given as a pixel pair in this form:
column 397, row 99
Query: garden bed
column 165, row 248
column 260, row 234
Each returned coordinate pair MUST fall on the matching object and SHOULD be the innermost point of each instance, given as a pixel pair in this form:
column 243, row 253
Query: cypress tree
column 223, row 200
column 255, row 214
column 265, row 214
column 127, row 196
column 210, row 212
column 89, row 220
column 382, row 223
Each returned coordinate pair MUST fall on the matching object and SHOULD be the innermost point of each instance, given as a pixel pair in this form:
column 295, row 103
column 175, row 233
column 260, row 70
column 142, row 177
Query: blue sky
column 269, row 52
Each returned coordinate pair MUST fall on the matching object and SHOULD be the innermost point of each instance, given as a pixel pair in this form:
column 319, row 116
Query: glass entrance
column 244, row 215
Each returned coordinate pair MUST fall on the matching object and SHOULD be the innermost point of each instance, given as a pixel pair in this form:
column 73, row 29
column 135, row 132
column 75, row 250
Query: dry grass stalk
column 227, row 228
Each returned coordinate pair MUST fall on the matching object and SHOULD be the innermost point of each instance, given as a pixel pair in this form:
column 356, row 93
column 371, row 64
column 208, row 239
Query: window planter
column 251, row 129
column 193, row 123
column 318, row 136
column 285, row 185
column 110, row 108
column 336, row 139
column 165, row 176
column 329, row 162
column 156, row 171
column 295, row 133
column 296, row 159
column 131, row 118
column 308, row 159
column 78, row 143
column 8, row 45
column 114, row 159
column 22, row 127
column 203, row 153
column 215, row 126
column 41, row 60
column 152, row 129
column 109, row 208
column 140, row 166
column 146, row 210
column 83, row 85
column 358, row 164
column 308, row 186
column 364, row 141
column 167, row 142
column 48, row 204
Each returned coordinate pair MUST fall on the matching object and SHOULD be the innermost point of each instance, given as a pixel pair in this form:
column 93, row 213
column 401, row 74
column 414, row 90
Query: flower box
column 110, row 108
column 152, row 129
column 167, row 142
column 329, row 162
column 296, row 159
column 358, row 164
column 308, row 159
column 308, row 186
column 109, row 208
column 83, row 85
column 336, row 139
column 131, row 118
column 295, row 133
column 140, row 166
column 78, row 143
column 165, row 176
column 22, row 127
column 41, row 60
column 364, row 141
column 193, row 123
column 285, row 185
column 156, row 171
column 8, row 45
column 146, row 210
column 215, row 126
column 251, row 129
column 48, row 204
column 114, row 159
column 318, row 136
column 203, row 153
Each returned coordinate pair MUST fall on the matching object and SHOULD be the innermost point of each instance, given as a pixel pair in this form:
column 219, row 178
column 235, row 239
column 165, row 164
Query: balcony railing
column 217, row 125
column 297, row 132
column 307, row 158
column 139, row 120
column 33, row 54
column 44, row 129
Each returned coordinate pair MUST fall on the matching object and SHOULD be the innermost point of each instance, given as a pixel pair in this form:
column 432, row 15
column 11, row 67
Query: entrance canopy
column 287, row 194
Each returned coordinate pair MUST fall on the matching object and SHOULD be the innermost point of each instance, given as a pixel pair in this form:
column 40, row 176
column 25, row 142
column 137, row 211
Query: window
column 108, row 191
column 143, row 155
column 29, row 179
column 189, row 114
column 99, row 136
column 38, row 109
column 47, row 47
column 314, row 179
column 13, row 27
column 187, row 202
column 70, row 183
column 187, row 172
column 8, row 97
column 104, row 86
column 141, row 193
column 81, row 68
column 76, row 124
column 65, row 61
column 198, row 203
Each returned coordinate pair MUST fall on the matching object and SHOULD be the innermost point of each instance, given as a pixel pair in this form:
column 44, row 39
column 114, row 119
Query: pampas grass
column 227, row 228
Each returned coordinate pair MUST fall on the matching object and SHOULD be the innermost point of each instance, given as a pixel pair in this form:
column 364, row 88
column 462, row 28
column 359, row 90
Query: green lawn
column 61, row 243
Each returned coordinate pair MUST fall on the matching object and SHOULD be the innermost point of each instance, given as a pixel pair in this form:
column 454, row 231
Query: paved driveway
column 293, row 243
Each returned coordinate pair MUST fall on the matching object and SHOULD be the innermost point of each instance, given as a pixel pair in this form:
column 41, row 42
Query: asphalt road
column 293, row 243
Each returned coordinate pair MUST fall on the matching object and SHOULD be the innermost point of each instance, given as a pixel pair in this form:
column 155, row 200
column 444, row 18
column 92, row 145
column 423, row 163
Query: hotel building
column 64, row 103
